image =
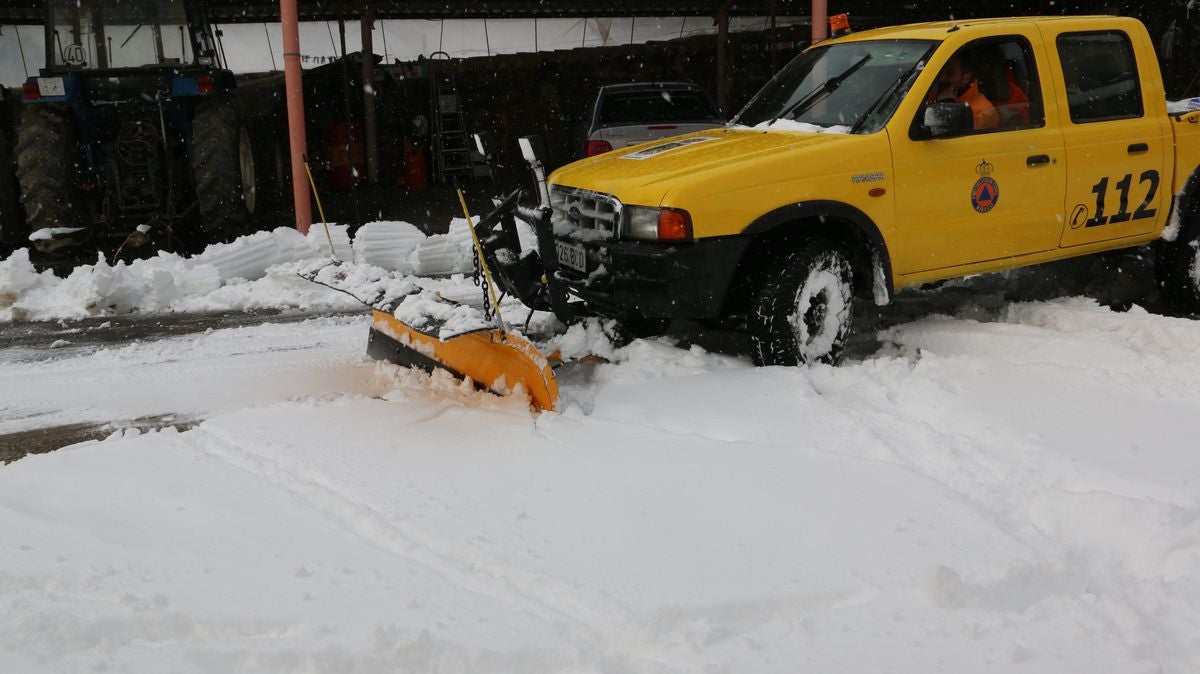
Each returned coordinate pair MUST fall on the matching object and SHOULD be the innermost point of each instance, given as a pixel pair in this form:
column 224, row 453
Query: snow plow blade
column 493, row 359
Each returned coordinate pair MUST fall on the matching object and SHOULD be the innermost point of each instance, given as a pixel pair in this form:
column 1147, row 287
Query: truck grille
column 584, row 213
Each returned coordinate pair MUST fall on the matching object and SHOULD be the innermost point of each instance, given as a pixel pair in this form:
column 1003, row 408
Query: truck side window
column 1101, row 76
column 997, row 78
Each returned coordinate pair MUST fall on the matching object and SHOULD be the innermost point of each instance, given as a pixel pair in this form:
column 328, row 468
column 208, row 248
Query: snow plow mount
column 530, row 276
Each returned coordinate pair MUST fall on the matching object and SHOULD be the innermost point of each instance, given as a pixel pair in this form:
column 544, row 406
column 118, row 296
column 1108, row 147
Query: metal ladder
column 451, row 151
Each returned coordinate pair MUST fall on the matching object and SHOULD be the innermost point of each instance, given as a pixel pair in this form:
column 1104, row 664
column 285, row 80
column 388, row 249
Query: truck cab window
column 1100, row 72
column 997, row 79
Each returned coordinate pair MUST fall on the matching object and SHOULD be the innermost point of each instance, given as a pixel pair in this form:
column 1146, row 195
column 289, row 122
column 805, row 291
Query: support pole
column 368, row 78
column 722, row 20
column 774, row 41
column 820, row 20
column 349, row 118
column 290, row 19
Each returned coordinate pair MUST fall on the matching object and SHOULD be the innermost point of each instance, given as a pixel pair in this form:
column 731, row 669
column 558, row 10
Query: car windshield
column 647, row 107
column 841, row 85
column 85, row 34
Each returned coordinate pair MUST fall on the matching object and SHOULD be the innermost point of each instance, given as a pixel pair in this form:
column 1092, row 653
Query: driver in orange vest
column 957, row 82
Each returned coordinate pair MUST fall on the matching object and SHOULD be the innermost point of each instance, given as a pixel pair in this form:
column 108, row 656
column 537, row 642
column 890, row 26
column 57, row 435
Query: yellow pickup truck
column 885, row 159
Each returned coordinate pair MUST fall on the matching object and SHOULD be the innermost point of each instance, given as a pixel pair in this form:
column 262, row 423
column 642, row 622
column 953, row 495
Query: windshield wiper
column 900, row 82
column 824, row 89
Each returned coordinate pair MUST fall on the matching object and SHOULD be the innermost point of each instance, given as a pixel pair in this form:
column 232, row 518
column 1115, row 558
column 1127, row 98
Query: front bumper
column 656, row 280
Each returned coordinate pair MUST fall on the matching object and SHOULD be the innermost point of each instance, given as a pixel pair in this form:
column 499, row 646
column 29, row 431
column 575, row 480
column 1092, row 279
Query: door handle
column 1138, row 148
column 1037, row 160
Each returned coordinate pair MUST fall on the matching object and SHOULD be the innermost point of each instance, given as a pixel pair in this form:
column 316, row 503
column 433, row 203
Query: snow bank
column 257, row 271
column 389, row 245
column 446, row 253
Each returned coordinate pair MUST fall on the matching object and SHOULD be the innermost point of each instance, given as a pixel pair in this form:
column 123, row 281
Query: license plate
column 571, row 255
column 51, row 86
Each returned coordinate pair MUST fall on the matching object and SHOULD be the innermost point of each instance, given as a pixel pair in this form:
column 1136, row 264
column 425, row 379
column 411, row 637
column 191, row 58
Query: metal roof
column 252, row 11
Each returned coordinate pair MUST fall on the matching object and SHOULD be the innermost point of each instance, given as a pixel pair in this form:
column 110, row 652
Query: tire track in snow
column 1017, row 481
column 921, row 414
column 602, row 633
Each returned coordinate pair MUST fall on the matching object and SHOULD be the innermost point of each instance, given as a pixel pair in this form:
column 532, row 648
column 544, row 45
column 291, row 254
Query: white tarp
column 258, row 47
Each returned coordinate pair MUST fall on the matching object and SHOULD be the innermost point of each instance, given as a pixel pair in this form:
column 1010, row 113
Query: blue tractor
column 130, row 134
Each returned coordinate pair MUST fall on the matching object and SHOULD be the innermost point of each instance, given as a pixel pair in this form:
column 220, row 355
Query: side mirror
column 948, row 118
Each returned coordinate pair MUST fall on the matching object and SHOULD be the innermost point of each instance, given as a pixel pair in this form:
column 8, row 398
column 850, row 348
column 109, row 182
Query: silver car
column 627, row 114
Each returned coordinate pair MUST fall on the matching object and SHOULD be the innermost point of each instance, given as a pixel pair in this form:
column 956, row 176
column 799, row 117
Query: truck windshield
column 89, row 34
column 851, row 85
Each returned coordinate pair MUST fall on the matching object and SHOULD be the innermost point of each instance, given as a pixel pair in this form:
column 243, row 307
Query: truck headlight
column 656, row 224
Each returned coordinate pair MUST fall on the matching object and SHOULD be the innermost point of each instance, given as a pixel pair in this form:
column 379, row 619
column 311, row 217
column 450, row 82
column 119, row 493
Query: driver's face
column 953, row 75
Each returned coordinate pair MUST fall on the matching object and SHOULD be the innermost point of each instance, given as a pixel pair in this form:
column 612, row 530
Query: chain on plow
column 481, row 280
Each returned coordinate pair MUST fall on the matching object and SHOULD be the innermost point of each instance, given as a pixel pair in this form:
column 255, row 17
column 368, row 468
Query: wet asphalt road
column 33, row 341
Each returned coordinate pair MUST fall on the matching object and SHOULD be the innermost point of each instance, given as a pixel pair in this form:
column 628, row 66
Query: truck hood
column 636, row 174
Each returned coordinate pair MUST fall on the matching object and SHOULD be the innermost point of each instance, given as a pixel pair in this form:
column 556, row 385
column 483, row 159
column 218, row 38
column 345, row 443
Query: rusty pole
column 820, row 20
column 289, row 17
column 722, row 20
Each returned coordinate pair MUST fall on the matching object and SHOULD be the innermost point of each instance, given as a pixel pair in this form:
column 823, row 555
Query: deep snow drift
column 995, row 486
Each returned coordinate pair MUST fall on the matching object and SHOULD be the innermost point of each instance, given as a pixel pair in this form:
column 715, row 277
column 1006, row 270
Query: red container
column 416, row 167
column 345, row 151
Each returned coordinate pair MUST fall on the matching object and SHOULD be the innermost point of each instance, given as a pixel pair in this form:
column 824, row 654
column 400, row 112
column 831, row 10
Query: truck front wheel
column 803, row 309
column 1177, row 268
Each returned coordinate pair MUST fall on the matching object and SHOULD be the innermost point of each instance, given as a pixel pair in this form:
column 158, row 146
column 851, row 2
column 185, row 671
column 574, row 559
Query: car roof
column 938, row 30
column 649, row 86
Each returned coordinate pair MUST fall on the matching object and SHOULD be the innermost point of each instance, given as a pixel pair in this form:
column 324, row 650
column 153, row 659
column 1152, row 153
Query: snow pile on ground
column 402, row 247
column 1014, row 493
column 258, row 271
column 388, row 244
column 451, row 252
column 222, row 275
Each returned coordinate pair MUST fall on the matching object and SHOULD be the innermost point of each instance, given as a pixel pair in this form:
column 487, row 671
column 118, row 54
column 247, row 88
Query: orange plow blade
column 496, row 360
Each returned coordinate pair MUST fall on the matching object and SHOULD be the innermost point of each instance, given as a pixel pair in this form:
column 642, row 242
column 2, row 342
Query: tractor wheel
column 803, row 309
column 223, row 170
column 1177, row 268
column 47, row 157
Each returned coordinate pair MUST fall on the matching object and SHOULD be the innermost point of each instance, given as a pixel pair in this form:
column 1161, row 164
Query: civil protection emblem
column 986, row 191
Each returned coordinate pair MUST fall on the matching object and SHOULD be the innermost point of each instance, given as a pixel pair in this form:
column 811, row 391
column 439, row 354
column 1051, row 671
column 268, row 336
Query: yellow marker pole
column 320, row 209
column 487, row 274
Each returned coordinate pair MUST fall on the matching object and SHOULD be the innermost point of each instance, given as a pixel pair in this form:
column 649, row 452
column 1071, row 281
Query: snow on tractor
column 129, row 135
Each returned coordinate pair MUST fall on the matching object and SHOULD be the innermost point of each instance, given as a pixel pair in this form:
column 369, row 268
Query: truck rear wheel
column 803, row 309
column 1177, row 268
column 223, row 169
column 47, row 155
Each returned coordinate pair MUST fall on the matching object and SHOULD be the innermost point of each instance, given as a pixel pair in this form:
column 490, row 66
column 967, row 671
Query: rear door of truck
column 1115, row 127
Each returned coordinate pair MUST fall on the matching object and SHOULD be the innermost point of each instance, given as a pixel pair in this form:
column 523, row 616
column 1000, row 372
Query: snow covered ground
column 1003, row 479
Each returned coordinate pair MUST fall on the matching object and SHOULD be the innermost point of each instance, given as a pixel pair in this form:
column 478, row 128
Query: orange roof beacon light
column 839, row 25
